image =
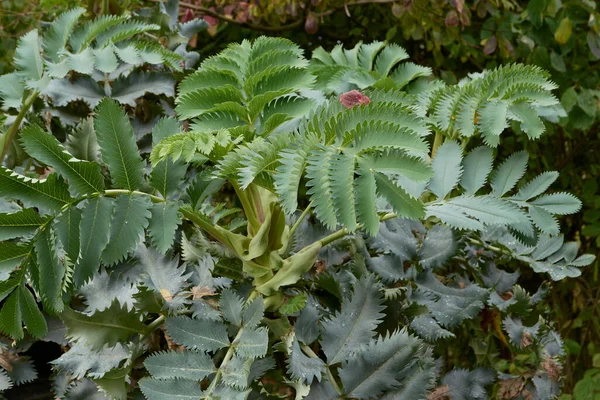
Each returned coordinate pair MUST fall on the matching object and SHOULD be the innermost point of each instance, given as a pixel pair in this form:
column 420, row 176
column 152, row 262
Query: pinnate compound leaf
column 180, row 389
column 180, row 365
column 129, row 220
column 197, row 334
column 447, row 169
column 117, row 145
column 103, row 328
column 359, row 316
column 83, row 177
column 403, row 204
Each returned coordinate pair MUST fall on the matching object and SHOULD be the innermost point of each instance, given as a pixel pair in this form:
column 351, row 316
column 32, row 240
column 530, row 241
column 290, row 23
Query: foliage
column 322, row 228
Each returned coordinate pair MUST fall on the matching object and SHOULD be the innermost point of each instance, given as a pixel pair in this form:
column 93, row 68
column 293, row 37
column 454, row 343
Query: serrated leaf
column 235, row 374
column 83, row 143
column 558, row 203
column 438, row 246
column 83, row 177
column 404, row 204
column 197, row 334
column 176, row 365
column 117, row 145
column 254, row 313
column 130, row 218
column 180, row 389
column 508, row 173
column 127, row 90
column 163, row 275
column 11, row 256
column 163, row 225
column 383, row 364
column 106, row 61
column 359, row 316
column 57, row 36
column 252, row 343
column 64, row 91
column 231, row 306
column 103, row 328
column 95, row 231
column 10, row 316
column 33, row 319
column 47, row 194
column 81, row 360
column 28, row 59
column 536, row 186
column 104, row 289
column 477, row 165
column 302, row 367
column 51, row 271
column 67, row 229
column 447, row 169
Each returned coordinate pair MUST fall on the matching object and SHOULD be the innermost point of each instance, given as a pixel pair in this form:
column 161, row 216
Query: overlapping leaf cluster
column 255, row 300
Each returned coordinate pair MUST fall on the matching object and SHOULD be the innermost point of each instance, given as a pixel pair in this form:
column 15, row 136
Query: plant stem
column 116, row 192
column 14, row 128
column 106, row 7
column 154, row 325
column 343, row 232
column 246, row 205
column 437, row 142
column 312, row 354
column 306, row 211
column 228, row 357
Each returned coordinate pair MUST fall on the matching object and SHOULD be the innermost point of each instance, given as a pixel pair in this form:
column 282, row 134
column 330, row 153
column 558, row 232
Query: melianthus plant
column 355, row 295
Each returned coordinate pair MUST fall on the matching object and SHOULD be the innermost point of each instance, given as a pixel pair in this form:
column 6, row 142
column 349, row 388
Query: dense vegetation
column 269, row 222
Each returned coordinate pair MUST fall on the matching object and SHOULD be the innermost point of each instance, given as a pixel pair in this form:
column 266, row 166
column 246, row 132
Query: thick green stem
column 343, row 232
column 106, row 7
column 14, row 128
column 306, row 211
column 437, row 142
column 312, row 354
column 116, row 192
column 154, row 325
column 246, row 205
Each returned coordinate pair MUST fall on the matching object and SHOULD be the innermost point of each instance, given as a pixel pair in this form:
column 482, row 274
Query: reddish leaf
column 354, row 98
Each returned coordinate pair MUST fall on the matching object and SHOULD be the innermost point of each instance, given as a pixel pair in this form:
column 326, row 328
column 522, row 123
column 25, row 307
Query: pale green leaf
column 447, row 169
column 508, row 173
column 477, row 165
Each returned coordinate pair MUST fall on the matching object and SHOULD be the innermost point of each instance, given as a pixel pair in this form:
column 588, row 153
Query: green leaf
column 404, row 204
column 95, row 229
column 302, row 367
column 10, row 316
column 180, row 365
column 163, row 225
column 83, row 177
column 106, row 61
column 386, row 363
column 252, row 343
column 447, row 169
column 536, row 186
column 180, row 389
column 64, row 91
column 117, row 145
column 508, row 173
column 82, row 62
column 236, row 373
column 51, row 271
column 531, row 123
column 47, row 194
column 558, row 203
column 81, row 360
column 477, row 165
column 83, row 143
column 103, row 328
column 254, row 313
column 84, row 35
column 359, row 316
column 293, row 305
column 32, row 316
column 11, row 90
column 126, row 90
column 28, row 60
column 19, row 224
column 231, row 305
column 130, row 218
column 11, row 255
column 103, row 289
column 197, row 335
column 67, row 229
column 167, row 175
column 492, row 119
column 57, row 36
